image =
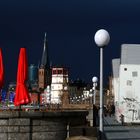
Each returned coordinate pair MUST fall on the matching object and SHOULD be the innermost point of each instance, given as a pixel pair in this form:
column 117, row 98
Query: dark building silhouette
column 33, row 73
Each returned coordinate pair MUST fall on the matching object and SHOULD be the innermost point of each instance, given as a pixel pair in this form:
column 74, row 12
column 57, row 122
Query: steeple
column 44, row 77
column 45, row 57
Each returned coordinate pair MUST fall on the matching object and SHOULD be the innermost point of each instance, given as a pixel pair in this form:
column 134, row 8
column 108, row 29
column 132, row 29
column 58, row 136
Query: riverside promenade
column 115, row 131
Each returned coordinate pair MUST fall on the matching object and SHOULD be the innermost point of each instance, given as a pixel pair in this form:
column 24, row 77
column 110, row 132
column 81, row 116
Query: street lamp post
column 102, row 39
column 94, row 80
column 90, row 97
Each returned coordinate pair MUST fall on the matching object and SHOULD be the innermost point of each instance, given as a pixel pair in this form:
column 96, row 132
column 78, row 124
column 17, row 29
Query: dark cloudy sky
column 70, row 27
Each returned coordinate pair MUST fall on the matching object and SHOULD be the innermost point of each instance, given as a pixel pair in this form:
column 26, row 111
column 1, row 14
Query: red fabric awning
column 1, row 70
column 22, row 94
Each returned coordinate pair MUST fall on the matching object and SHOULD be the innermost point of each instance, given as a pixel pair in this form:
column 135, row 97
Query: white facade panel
column 129, row 93
column 115, row 67
column 115, row 91
column 59, row 79
column 55, row 97
column 56, row 86
column 130, row 54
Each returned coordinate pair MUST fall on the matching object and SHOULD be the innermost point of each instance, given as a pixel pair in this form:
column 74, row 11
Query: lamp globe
column 102, row 38
column 94, row 79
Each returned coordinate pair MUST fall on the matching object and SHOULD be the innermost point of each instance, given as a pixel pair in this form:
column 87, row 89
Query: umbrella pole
column 19, row 110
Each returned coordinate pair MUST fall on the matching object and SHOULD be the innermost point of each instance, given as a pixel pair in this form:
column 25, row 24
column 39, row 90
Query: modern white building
column 59, row 83
column 115, row 83
column 127, row 84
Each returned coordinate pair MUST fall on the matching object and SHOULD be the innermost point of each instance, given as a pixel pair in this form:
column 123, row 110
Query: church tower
column 44, row 73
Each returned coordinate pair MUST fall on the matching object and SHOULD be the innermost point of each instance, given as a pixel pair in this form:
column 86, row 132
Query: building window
column 134, row 73
column 125, row 69
column 60, row 72
column 129, row 83
column 54, row 72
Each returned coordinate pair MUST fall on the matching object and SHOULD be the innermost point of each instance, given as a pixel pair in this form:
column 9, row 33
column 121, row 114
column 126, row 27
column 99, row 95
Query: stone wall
column 16, row 125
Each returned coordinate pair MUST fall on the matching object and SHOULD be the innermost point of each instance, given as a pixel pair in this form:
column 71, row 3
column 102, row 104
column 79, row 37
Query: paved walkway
column 81, row 138
column 115, row 131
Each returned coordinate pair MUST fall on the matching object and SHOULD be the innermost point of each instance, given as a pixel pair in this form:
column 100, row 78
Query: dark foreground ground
column 112, row 131
column 82, row 138
column 83, row 133
column 115, row 131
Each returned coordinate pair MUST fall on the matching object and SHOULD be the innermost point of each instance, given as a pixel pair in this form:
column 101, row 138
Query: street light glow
column 94, row 79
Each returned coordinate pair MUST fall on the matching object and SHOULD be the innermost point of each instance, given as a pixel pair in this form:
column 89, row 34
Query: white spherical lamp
column 94, row 79
column 90, row 90
column 102, row 38
column 65, row 88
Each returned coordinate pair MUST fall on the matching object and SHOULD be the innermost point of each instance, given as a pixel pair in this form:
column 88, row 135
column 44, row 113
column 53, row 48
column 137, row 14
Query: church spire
column 45, row 56
column 44, row 77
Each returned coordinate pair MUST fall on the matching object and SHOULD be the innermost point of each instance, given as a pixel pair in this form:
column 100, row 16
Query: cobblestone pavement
column 115, row 131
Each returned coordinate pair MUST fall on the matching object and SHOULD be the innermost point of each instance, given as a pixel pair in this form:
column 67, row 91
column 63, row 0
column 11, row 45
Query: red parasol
column 22, row 94
column 1, row 70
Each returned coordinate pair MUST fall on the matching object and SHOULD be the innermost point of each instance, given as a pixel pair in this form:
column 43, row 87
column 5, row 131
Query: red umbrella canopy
column 22, row 94
column 1, row 70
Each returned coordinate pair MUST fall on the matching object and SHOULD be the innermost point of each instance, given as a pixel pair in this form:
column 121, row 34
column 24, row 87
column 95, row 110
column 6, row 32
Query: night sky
column 70, row 27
